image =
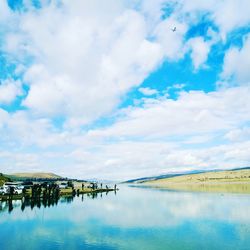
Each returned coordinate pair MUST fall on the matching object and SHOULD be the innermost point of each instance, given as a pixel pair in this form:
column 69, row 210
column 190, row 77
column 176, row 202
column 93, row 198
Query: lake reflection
column 46, row 202
column 135, row 218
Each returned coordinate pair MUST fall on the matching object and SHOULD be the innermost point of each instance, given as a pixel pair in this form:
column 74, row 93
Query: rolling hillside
column 237, row 181
column 23, row 176
column 158, row 177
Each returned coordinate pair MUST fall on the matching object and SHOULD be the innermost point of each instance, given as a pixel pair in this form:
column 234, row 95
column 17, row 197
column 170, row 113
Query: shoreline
column 239, row 188
column 63, row 193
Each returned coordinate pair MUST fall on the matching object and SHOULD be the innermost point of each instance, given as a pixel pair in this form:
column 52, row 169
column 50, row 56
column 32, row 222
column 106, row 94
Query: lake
column 133, row 218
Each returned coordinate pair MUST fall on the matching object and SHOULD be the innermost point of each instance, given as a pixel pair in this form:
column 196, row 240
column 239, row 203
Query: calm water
column 134, row 218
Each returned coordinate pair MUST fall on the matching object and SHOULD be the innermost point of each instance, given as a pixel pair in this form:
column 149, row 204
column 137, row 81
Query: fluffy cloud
column 172, row 42
column 193, row 112
column 3, row 117
column 127, row 159
column 84, row 60
column 4, row 11
column 148, row 141
column 237, row 63
column 77, row 61
column 9, row 90
column 153, row 139
column 230, row 15
column 88, row 58
column 200, row 50
column 227, row 15
column 21, row 129
column 148, row 91
column 90, row 55
column 239, row 134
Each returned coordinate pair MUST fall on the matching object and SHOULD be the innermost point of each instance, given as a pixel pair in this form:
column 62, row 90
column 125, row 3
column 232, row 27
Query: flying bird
column 174, row 29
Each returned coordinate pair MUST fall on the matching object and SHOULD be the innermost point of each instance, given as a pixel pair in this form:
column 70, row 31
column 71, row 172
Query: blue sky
column 108, row 90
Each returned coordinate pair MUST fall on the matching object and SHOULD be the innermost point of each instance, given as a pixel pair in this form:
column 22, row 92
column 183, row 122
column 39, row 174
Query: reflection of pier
column 8, row 203
column 53, row 193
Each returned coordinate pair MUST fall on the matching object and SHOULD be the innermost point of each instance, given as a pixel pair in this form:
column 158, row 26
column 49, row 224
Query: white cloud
column 84, row 60
column 231, row 14
column 192, row 112
column 148, row 91
column 240, row 134
column 129, row 159
column 86, row 55
column 4, row 11
column 228, row 15
column 200, row 50
column 172, row 42
column 3, row 117
column 179, row 85
column 148, row 141
column 199, row 139
column 9, row 90
column 153, row 139
column 237, row 63
column 21, row 130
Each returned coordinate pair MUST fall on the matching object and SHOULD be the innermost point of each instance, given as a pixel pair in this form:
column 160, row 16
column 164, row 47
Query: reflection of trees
column 10, row 205
column 92, row 195
column 23, row 206
column 11, row 192
column 45, row 202
column 66, row 199
column 44, row 197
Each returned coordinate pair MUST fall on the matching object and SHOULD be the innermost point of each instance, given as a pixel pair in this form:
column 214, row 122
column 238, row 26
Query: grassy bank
column 237, row 181
column 3, row 179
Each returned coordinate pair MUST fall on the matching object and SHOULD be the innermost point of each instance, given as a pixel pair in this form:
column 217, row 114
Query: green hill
column 23, row 176
column 3, row 179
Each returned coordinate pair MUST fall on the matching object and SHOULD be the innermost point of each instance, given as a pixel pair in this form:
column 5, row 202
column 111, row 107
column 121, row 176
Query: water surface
column 134, row 218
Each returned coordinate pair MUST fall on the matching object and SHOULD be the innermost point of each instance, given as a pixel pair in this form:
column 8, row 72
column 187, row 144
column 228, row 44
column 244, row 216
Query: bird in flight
column 174, row 29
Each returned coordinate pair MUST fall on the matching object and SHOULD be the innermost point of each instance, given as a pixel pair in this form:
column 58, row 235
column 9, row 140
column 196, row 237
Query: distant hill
column 158, row 177
column 24, row 176
column 233, row 181
column 175, row 174
column 245, row 168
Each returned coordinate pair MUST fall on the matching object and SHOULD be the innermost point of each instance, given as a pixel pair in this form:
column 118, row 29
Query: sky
column 110, row 90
